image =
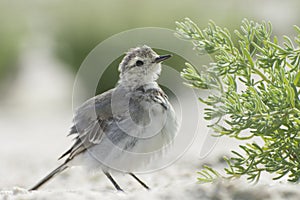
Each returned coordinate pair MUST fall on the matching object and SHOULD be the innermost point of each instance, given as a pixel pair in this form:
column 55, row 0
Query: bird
column 123, row 128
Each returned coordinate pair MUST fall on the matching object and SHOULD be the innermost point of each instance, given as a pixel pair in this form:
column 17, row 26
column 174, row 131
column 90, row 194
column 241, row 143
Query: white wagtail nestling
column 134, row 118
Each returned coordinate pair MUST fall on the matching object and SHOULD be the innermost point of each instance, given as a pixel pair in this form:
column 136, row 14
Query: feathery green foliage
column 256, row 96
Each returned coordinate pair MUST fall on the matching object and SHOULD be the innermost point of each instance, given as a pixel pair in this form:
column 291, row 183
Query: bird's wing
column 89, row 123
column 101, row 112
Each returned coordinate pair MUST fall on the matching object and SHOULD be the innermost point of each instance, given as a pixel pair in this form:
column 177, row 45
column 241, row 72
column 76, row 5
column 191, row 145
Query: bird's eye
column 139, row 63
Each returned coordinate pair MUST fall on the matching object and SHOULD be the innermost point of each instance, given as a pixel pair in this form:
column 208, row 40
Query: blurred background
column 43, row 43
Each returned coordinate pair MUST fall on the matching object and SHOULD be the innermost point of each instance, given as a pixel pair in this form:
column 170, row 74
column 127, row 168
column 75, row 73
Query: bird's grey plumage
column 95, row 116
column 90, row 121
column 134, row 116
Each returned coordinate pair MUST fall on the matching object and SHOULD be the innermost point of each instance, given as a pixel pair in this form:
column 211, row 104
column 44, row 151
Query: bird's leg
column 113, row 181
column 138, row 180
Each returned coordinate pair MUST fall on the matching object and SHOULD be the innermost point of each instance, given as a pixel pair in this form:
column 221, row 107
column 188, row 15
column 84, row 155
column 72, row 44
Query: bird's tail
column 59, row 169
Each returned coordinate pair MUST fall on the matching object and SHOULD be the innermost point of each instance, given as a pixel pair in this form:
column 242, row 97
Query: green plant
column 255, row 84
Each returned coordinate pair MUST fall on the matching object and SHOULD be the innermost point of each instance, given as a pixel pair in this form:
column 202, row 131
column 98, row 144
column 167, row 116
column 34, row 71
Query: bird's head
column 141, row 65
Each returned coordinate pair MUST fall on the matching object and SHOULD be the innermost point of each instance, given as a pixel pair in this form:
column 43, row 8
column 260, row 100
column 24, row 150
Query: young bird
column 125, row 127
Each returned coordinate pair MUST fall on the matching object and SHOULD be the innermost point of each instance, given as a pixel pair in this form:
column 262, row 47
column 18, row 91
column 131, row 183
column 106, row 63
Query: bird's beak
column 162, row 58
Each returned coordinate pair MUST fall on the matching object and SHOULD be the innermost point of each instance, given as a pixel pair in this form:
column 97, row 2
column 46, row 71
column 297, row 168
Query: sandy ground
column 34, row 135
